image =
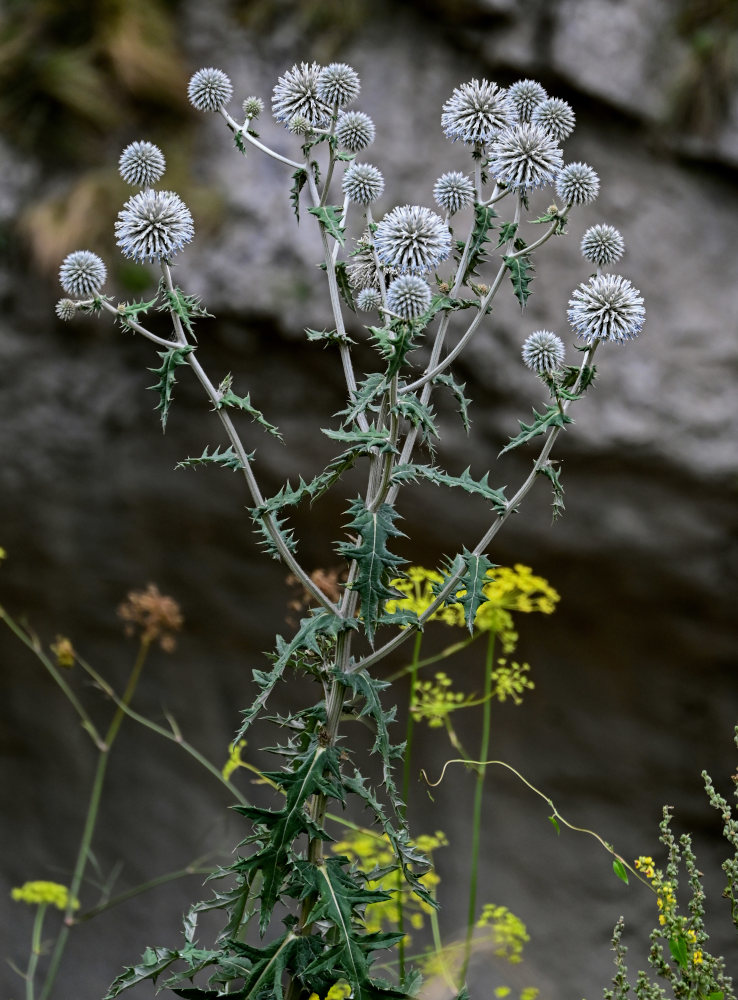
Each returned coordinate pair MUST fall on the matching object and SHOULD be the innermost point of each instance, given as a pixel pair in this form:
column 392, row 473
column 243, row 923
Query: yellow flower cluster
column 434, row 700
column 371, row 851
column 509, row 680
column 417, row 585
column 509, row 933
column 43, row 894
column 339, row 991
column 665, row 896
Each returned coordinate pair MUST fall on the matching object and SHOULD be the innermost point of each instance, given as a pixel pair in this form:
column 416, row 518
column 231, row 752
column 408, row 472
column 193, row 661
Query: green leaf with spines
column 553, row 215
column 299, row 180
column 129, row 312
column 507, row 233
column 268, row 964
column 240, row 144
column 365, row 440
column 570, row 377
column 366, row 399
column 153, row 962
column 330, row 217
column 471, row 580
column 328, row 337
column 484, row 216
column 550, row 470
column 412, row 472
column 342, row 280
column 521, row 269
column 551, row 417
column 375, row 562
column 186, row 307
column 171, row 360
column 419, row 414
column 458, row 391
column 228, row 459
column 394, row 343
column 229, row 398
column 266, row 543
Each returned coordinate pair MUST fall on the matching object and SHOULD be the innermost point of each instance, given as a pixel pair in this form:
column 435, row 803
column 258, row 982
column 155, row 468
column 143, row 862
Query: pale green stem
column 83, row 852
column 478, row 802
column 430, row 660
column 36, row 948
column 242, row 130
column 137, row 890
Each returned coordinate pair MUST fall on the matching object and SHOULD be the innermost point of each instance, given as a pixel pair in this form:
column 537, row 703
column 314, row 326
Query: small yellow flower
column 697, row 957
column 339, row 991
column 63, row 650
column 43, row 894
column 3, row 554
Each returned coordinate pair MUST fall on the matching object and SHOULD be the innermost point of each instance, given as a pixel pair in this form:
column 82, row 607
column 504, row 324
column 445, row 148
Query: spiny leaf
column 266, row 542
column 550, row 470
column 367, row 397
column 129, row 312
column 328, row 336
column 268, row 965
column 480, row 487
column 171, row 360
column 329, row 216
column 229, row 398
column 153, row 963
column 342, row 280
column 186, row 307
column 394, row 343
column 484, row 216
column 551, row 417
column 299, row 180
column 366, row 440
column 571, row 375
column 507, row 233
column 553, row 215
column 374, row 560
column 228, row 459
column 458, row 391
column 520, row 269
column 419, row 414
column 469, row 593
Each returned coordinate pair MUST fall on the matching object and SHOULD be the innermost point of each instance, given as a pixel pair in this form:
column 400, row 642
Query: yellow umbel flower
column 339, row 991
column 44, row 894
column 417, row 585
column 509, row 933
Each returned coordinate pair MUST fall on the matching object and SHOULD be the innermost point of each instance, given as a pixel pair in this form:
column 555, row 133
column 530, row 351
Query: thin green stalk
column 36, row 946
column 478, row 802
column 83, row 853
column 137, row 890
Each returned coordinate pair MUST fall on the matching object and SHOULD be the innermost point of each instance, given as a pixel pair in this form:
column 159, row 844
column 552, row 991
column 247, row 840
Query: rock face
column 635, row 673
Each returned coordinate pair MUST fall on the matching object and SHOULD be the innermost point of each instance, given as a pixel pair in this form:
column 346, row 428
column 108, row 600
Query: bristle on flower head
column 525, row 96
column 602, row 245
column 153, row 225
column 296, row 93
column 543, row 352
column 556, row 116
column 82, row 274
column 409, row 296
column 577, row 184
column 362, row 183
column 141, row 164
column 354, row 131
column 607, row 307
column 338, row 85
column 412, row 239
column 66, row 309
column 368, row 299
column 476, row 112
column 253, row 107
column 209, row 89
column 525, row 156
column 453, row 191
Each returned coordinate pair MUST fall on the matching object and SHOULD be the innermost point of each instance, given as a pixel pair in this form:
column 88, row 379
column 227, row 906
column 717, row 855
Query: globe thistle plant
column 525, row 156
column 453, row 191
column 525, row 96
column 556, row 116
column 577, row 184
column 368, row 299
column 66, row 309
column 338, row 85
column 153, row 225
column 296, row 93
column 209, row 89
column 354, row 131
column 141, row 164
column 412, row 239
column 543, row 352
column 363, row 183
column 82, row 274
column 607, row 307
column 602, row 245
column 409, row 296
column 476, row 112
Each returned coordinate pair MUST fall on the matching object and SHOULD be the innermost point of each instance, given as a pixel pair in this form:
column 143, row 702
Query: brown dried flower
column 152, row 616
column 328, row 580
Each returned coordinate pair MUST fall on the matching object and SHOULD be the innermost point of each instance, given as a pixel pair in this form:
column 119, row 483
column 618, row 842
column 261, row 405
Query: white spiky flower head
column 354, row 131
column 602, row 245
column 525, row 96
column 153, row 225
column 338, row 84
column 253, row 107
column 82, row 274
column 607, row 307
column 525, row 156
column 141, row 164
column 299, row 125
column 66, row 309
column 362, row 183
column 453, row 191
column 296, row 93
column 412, row 239
column 368, row 299
column 476, row 112
column 556, row 116
column 577, row 184
column 209, row 89
column 409, row 296
column 543, row 352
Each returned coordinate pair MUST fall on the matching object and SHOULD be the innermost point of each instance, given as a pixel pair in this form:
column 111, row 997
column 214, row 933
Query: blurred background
column 636, row 686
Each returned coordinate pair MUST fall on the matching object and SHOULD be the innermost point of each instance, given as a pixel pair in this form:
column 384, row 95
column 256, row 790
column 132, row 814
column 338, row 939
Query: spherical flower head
column 362, row 183
column 476, row 112
column 525, row 156
column 66, row 309
column 602, row 245
column 453, row 191
column 141, row 164
column 577, row 184
column 543, row 352
column 338, row 85
column 525, row 96
column 354, row 131
column 153, row 225
column 253, row 107
column 209, row 89
column 607, row 307
column 556, row 116
column 299, row 125
column 412, row 240
column 296, row 93
column 409, row 296
column 368, row 299
column 82, row 274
